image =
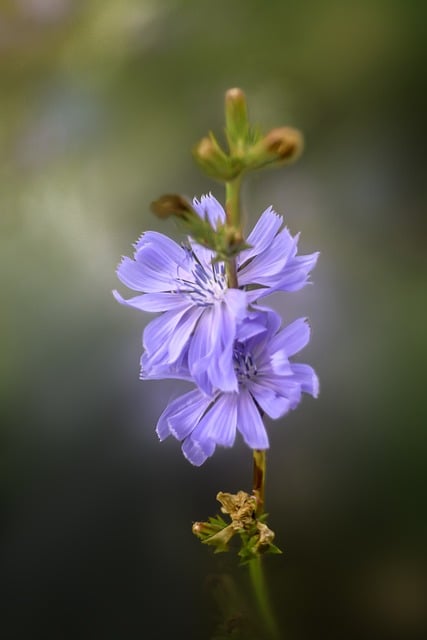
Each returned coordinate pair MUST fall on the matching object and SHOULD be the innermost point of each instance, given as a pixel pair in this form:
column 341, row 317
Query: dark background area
column 100, row 104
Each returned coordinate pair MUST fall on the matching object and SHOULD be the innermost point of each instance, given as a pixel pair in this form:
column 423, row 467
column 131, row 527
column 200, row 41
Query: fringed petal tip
column 118, row 297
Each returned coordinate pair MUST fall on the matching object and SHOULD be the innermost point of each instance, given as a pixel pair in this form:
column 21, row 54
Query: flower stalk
column 262, row 597
column 211, row 331
column 259, row 468
column 233, row 218
column 255, row 564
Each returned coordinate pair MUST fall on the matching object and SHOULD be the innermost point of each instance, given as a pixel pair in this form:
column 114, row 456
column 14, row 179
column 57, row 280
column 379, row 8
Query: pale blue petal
column 220, row 368
column 307, row 378
column 258, row 343
column 262, row 235
column 151, row 369
column 292, row 338
column 249, row 329
column 164, row 264
column 286, row 386
column 258, row 292
column 154, row 302
column 196, row 452
column 273, row 404
column 296, row 273
column 237, row 302
column 141, row 276
column 210, row 350
column 162, row 244
column 192, row 398
column 250, row 423
column 209, row 208
column 279, row 363
column 202, row 346
column 183, row 421
column 159, row 331
column 266, row 268
column 182, row 333
column 219, row 423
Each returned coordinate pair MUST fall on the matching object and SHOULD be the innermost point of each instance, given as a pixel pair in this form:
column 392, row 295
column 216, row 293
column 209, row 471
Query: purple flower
column 199, row 313
column 268, row 382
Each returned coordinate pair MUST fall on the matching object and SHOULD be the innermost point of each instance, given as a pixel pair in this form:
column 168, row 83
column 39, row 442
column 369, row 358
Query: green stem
column 255, row 565
column 232, row 201
column 232, row 210
column 260, row 590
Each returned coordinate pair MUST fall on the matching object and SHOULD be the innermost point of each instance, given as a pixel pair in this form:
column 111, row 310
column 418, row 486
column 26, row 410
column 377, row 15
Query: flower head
column 199, row 313
column 268, row 382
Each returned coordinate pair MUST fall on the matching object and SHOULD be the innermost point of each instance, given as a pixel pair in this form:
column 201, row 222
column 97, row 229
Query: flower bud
column 285, row 143
column 279, row 146
column 236, row 119
column 172, row 204
column 213, row 160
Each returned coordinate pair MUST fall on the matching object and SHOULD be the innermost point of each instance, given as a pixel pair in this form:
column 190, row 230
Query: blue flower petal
column 262, row 235
column 307, row 378
column 182, row 333
column 208, row 344
column 219, row 422
column 296, row 273
column 163, row 245
column 183, row 421
column 150, row 370
column 158, row 333
column 197, row 452
column 273, row 404
column 266, row 268
column 209, row 208
column 189, row 399
column 250, row 423
column 237, row 302
column 292, row 338
column 154, row 302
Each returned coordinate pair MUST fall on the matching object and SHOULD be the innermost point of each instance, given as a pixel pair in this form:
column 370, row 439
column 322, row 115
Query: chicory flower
column 199, row 313
column 268, row 383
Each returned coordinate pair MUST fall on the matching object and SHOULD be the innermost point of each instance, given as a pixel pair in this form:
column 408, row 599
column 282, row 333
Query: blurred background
column 100, row 104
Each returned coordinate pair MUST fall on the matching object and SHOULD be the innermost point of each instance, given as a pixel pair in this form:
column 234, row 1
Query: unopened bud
column 236, row 121
column 278, row 146
column 213, row 160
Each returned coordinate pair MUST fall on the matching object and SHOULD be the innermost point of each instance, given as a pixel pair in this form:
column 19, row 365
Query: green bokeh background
column 100, row 104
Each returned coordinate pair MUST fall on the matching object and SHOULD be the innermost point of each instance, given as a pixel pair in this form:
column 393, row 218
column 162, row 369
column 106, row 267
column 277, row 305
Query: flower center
column 244, row 365
column 207, row 283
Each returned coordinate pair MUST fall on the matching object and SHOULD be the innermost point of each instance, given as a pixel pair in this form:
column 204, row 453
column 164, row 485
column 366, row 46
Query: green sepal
column 215, row 532
column 214, row 161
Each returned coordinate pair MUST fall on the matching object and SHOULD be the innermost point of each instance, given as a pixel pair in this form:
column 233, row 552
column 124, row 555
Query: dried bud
column 285, row 143
column 266, row 535
column 240, row 507
column 172, row 204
